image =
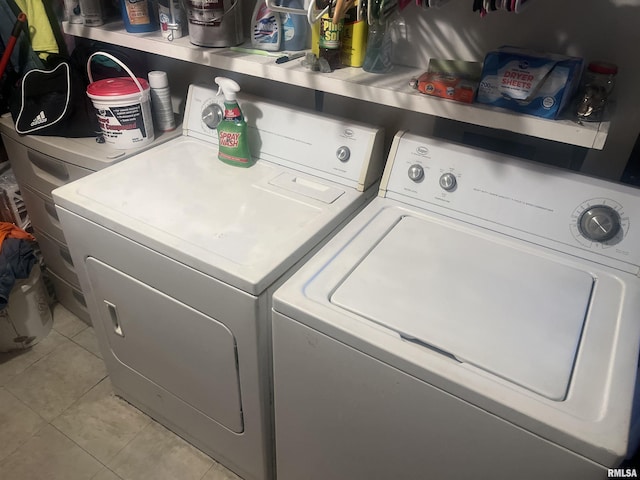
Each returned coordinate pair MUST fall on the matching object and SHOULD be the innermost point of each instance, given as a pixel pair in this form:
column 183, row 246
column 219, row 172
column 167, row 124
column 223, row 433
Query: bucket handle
column 271, row 5
column 111, row 57
column 313, row 15
column 224, row 12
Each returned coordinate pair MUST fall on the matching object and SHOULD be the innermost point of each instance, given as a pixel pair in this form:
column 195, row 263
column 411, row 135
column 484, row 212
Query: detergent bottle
column 296, row 33
column 233, row 143
column 266, row 28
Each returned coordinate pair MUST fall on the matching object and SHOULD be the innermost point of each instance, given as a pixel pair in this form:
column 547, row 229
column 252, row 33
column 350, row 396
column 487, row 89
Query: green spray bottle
column 233, row 143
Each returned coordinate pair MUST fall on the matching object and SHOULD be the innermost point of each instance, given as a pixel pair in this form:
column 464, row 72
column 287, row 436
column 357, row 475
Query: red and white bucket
column 123, row 107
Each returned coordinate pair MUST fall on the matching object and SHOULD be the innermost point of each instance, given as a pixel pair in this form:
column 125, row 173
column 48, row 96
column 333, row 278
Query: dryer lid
column 243, row 226
column 487, row 302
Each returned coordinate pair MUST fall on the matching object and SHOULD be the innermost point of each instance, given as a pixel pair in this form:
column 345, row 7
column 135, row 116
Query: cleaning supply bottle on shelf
column 329, row 36
column 354, row 36
column 296, row 33
column 139, row 16
column 266, row 28
column 233, row 143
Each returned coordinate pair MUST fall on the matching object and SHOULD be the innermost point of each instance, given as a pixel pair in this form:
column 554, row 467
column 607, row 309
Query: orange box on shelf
column 452, row 79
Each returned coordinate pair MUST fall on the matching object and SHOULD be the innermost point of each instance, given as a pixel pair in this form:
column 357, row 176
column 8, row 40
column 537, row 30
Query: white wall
column 592, row 29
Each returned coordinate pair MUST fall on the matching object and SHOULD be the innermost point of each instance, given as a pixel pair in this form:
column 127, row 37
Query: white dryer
column 478, row 319
column 178, row 255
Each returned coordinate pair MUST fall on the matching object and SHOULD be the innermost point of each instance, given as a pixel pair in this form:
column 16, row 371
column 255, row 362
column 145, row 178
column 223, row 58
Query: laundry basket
column 27, row 318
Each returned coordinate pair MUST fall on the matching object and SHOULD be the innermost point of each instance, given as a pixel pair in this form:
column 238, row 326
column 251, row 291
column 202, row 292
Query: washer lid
column 503, row 309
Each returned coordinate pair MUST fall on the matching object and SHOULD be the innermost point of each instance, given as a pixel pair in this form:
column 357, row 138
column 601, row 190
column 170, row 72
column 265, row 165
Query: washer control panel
column 416, row 172
column 599, row 220
column 523, row 199
column 448, row 181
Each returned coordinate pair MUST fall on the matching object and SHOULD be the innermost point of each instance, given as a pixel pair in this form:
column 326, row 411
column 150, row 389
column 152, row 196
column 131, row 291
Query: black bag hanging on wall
column 53, row 101
column 49, row 96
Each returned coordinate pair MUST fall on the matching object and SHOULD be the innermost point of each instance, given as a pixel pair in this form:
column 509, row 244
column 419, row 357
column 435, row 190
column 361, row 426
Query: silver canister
column 172, row 19
column 215, row 23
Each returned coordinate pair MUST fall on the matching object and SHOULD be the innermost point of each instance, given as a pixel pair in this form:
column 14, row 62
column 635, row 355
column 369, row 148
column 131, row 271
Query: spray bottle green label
column 233, row 143
column 232, row 140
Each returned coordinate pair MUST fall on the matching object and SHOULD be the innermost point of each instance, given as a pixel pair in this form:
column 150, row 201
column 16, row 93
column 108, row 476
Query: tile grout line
column 119, row 450
column 116, row 475
column 42, row 426
column 80, row 446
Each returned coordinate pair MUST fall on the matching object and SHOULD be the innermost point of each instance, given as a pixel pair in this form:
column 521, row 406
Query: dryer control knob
column 212, row 115
column 343, row 153
column 416, row 172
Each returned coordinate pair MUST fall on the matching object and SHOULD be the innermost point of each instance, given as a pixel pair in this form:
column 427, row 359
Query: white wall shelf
column 390, row 89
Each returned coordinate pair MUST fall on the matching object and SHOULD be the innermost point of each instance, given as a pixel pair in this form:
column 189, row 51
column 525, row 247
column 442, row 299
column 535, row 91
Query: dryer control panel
column 547, row 205
column 344, row 151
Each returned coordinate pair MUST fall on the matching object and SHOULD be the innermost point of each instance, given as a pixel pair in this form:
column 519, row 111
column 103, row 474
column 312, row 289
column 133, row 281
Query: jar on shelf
column 597, row 84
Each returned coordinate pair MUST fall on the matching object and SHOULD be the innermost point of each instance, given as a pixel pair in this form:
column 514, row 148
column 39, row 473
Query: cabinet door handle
column 49, row 166
column 113, row 314
column 79, row 298
column 51, row 210
column 66, row 256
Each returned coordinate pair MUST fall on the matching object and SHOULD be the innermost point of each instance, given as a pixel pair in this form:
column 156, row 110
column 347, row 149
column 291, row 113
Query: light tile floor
column 59, row 419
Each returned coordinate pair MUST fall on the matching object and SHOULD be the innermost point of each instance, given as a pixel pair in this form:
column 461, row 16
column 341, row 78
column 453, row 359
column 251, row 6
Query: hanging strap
column 55, row 28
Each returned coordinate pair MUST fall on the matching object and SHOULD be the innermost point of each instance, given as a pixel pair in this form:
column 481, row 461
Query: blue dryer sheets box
column 534, row 83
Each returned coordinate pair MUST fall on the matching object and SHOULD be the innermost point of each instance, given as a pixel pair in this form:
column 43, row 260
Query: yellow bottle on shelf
column 354, row 37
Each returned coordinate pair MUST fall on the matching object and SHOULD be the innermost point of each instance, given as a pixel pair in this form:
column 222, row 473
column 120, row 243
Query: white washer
column 178, row 255
column 478, row 319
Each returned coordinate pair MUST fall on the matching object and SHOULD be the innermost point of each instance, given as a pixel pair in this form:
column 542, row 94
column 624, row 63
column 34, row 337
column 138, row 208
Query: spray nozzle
column 228, row 87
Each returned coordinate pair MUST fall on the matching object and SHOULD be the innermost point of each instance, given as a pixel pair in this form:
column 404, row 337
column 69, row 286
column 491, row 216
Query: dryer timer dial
column 212, row 115
column 599, row 223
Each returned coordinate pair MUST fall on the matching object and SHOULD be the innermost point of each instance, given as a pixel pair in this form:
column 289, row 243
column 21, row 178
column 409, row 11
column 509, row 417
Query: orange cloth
column 10, row 230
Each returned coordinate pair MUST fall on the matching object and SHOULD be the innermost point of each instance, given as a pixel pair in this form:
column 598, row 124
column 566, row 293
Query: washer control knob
column 599, row 223
column 448, row 181
column 212, row 115
column 416, row 172
column 343, row 153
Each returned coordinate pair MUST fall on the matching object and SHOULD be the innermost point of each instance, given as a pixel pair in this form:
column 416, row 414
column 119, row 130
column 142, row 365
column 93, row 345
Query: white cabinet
column 391, row 89
column 38, row 174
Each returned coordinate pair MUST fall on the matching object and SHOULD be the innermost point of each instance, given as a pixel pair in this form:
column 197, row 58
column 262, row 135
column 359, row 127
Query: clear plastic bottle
column 377, row 57
column 597, row 84
column 161, row 101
